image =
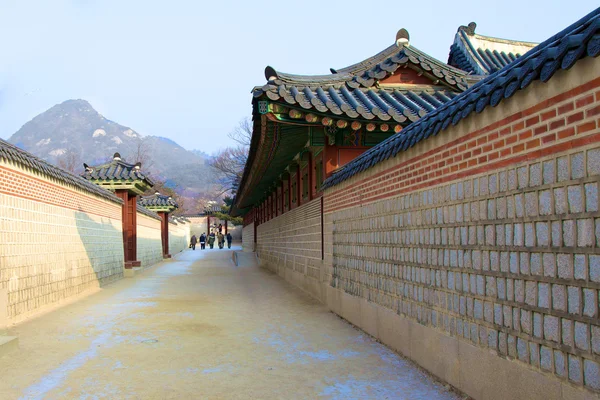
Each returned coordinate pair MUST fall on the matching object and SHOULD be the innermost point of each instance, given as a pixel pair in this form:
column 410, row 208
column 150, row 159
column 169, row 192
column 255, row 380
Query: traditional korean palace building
column 307, row 127
column 450, row 210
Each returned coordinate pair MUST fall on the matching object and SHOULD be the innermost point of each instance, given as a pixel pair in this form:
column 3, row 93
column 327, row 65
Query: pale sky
column 184, row 69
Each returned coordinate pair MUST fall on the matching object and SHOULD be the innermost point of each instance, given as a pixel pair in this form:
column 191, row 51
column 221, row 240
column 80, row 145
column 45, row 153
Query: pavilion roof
column 561, row 51
column 158, row 202
column 483, row 55
column 360, row 92
column 118, row 174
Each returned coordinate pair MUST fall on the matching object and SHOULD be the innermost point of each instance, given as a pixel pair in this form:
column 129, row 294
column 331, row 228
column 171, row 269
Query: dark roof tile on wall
column 483, row 55
column 14, row 154
column 157, row 200
column 561, row 51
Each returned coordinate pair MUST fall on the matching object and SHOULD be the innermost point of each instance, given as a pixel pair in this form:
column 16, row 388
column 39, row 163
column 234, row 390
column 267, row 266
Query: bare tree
column 230, row 162
column 242, row 133
column 70, row 161
column 141, row 152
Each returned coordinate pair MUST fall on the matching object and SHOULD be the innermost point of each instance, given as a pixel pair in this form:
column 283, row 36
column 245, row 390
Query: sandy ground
column 197, row 327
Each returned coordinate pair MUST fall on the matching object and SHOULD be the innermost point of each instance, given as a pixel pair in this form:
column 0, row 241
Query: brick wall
column 149, row 245
column 56, row 241
column 248, row 237
column 485, row 238
column 290, row 245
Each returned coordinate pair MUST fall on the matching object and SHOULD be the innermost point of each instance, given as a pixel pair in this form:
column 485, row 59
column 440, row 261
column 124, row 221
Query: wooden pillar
column 129, row 223
column 310, row 175
column 298, row 185
column 208, row 224
column 164, row 230
column 289, row 181
column 226, row 227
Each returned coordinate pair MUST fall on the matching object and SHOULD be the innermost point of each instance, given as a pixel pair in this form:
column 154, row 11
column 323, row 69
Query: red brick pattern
column 16, row 183
column 567, row 121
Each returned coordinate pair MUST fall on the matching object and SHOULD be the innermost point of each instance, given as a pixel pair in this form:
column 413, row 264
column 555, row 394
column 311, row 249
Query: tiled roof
column 157, row 200
column 482, row 55
column 14, row 154
column 147, row 212
column 117, row 169
column 561, row 51
column 354, row 91
column 178, row 220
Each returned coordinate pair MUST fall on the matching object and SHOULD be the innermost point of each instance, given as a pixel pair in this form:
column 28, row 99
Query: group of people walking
column 219, row 237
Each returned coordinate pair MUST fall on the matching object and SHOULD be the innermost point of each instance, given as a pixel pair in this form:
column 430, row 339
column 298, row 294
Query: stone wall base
column 477, row 372
column 307, row 284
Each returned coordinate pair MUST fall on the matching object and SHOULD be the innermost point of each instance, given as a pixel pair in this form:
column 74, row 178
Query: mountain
column 72, row 132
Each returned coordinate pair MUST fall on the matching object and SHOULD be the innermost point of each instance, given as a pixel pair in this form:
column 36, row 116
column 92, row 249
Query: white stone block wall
column 248, row 237
column 56, row 241
column 292, row 241
column 149, row 244
column 488, row 235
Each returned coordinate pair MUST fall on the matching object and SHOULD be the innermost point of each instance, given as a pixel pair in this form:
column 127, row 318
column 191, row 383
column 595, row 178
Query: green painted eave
column 282, row 143
column 138, row 186
column 167, row 209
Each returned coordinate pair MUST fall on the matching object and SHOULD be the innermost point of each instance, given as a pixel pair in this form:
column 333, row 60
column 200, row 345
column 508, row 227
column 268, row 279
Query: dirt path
column 198, row 327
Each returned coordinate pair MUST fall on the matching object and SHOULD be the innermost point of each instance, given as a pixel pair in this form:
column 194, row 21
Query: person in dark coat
column 193, row 242
column 202, row 241
column 211, row 239
column 229, row 239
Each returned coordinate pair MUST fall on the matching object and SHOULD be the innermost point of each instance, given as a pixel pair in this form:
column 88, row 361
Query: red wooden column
column 310, row 175
column 289, row 183
column 226, row 227
column 298, row 185
column 129, row 217
column 208, row 224
column 164, row 228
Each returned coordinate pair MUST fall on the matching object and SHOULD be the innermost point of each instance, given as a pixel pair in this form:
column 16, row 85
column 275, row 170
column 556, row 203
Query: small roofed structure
column 159, row 203
column 127, row 181
column 162, row 205
column 119, row 174
column 483, row 55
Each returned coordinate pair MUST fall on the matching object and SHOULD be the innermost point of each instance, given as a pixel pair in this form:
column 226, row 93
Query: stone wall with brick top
column 290, row 245
column 56, row 240
column 149, row 244
column 477, row 252
column 179, row 237
column 248, row 237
